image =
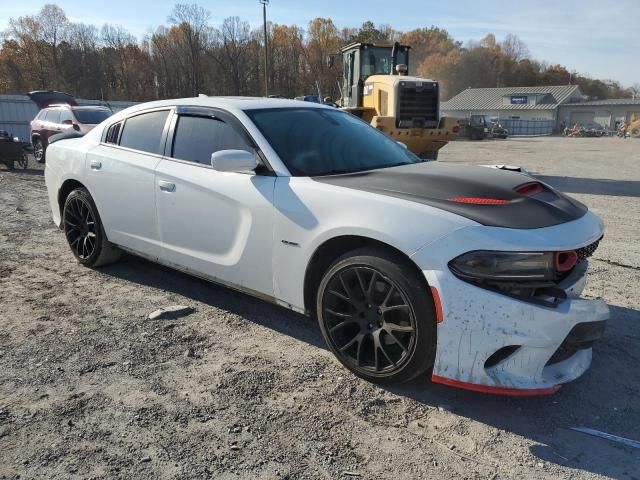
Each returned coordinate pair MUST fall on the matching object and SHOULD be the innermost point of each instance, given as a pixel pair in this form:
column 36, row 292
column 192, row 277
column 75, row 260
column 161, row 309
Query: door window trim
column 218, row 114
column 163, row 135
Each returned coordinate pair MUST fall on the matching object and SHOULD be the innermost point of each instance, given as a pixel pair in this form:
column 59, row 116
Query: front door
column 216, row 224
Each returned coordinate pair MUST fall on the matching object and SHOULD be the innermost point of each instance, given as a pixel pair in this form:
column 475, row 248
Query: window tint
column 91, row 116
column 112, row 133
column 196, row 138
column 318, row 141
column 143, row 132
column 53, row 116
column 65, row 115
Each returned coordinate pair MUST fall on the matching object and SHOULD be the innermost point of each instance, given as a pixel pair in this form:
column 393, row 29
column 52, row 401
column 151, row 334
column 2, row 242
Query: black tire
column 39, row 150
column 24, row 160
column 377, row 315
column 84, row 231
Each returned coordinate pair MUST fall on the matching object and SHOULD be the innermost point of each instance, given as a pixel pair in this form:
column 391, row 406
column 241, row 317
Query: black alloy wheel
column 84, row 231
column 376, row 319
column 80, row 227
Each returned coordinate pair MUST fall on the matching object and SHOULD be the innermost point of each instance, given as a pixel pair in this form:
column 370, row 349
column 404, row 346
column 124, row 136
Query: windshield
column 90, row 116
column 378, row 60
column 317, row 141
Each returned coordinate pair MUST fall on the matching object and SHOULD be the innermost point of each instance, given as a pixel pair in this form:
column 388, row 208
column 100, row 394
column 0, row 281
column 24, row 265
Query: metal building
column 601, row 114
column 522, row 110
column 17, row 111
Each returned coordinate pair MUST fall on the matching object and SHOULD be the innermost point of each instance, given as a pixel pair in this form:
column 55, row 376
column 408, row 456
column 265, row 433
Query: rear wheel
column 84, row 231
column 377, row 316
column 38, row 150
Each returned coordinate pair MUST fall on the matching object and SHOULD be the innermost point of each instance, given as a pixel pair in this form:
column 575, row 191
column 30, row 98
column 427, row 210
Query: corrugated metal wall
column 17, row 111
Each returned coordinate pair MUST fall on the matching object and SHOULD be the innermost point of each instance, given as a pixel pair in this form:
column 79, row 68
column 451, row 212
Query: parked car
column 469, row 274
column 498, row 131
column 60, row 113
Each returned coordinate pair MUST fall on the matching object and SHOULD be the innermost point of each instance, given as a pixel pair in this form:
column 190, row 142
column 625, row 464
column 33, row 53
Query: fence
column 529, row 128
column 17, row 111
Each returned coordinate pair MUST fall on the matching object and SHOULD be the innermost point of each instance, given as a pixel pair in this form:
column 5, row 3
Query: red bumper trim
column 513, row 392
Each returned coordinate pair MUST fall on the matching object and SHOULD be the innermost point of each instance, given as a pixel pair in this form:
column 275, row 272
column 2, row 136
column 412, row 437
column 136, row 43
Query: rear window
column 89, row 116
column 144, row 132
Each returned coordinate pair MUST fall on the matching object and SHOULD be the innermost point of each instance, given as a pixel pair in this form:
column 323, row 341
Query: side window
column 53, row 116
column 144, row 132
column 196, row 138
column 113, row 132
column 65, row 115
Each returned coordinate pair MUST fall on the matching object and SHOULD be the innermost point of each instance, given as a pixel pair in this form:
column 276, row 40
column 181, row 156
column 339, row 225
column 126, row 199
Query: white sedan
column 468, row 274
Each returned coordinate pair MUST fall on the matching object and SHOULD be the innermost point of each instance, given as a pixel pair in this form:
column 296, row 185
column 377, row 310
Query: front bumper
column 494, row 343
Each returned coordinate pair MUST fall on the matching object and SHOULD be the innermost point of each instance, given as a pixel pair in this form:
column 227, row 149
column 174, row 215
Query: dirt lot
column 91, row 388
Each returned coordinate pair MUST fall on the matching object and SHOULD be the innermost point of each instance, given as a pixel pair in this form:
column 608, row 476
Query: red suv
column 60, row 113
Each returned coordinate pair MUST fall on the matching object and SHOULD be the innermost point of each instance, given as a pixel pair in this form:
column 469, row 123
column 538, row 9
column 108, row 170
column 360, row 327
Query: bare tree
column 192, row 22
column 54, row 27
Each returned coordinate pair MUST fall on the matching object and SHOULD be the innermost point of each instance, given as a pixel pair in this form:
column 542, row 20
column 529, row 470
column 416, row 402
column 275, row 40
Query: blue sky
column 593, row 37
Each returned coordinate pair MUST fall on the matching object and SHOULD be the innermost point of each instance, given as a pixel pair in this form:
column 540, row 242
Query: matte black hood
column 434, row 184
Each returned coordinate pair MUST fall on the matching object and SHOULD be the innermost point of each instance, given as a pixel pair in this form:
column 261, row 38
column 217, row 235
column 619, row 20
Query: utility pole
column 266, row 64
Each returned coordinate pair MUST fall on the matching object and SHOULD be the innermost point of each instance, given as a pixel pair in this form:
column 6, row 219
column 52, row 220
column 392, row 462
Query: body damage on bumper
column 477, row 322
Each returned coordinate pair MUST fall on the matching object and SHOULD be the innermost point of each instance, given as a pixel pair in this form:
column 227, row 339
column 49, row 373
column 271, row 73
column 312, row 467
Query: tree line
column 191, row 55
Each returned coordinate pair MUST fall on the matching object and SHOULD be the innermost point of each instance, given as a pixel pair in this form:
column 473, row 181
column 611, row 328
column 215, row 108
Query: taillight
column 529, row 189
column 455, row 129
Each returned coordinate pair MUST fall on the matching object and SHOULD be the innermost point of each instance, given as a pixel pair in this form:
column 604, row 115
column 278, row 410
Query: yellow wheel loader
column 375, row 87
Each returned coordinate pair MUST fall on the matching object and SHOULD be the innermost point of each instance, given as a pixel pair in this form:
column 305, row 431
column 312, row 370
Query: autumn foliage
column 195, row 54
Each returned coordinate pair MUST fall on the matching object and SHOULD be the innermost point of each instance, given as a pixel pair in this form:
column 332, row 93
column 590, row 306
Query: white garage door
column 582, row 118
column 603, row 119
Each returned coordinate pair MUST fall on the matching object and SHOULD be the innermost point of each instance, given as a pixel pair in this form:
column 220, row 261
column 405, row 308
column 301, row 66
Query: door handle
column 96, row 165
column 167, row 186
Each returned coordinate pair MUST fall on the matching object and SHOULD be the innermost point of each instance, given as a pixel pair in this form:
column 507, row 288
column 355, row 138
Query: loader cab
column 361, row 60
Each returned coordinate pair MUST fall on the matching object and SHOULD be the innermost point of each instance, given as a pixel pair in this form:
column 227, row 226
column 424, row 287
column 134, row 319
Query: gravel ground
column 91, row 388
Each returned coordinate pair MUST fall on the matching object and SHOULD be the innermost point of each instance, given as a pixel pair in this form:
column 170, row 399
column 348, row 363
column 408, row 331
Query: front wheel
column 377, row 315
column 84, row 231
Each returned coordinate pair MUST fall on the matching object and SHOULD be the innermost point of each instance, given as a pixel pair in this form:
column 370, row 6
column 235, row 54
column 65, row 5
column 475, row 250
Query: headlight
column 505, row 266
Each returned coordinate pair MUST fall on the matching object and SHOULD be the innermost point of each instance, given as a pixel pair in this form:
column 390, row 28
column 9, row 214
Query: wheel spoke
column 388, row 296
column 359, row 352
column 394, row 327
column 344, row 285
column 339, row 295
column 393, row 307
column 371, row 284
column 337, row 314
column 350, row 343
column 393, row 337
column 342, row 325
column 361, row 283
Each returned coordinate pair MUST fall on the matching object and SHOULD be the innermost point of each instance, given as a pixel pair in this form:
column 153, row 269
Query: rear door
column 121, row 176
column 51, row 123
column 216, row 224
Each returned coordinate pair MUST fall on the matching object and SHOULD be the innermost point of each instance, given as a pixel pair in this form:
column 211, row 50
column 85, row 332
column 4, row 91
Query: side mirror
column 76, row 127
column 239, row 161
column 402, row 144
